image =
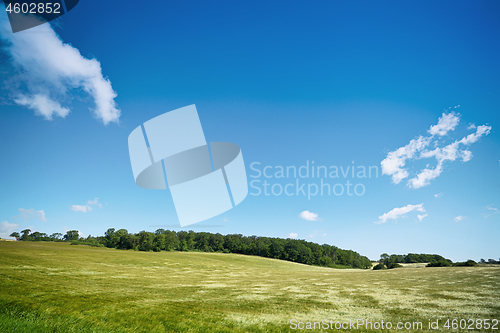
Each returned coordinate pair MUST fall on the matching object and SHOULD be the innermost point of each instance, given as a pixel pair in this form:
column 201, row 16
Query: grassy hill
column 56, row 287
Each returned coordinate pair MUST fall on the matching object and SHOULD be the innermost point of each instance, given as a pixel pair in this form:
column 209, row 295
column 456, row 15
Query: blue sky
column 333, row 83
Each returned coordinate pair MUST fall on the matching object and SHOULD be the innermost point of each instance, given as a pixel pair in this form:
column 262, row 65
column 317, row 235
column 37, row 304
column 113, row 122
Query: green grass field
column 56, row 287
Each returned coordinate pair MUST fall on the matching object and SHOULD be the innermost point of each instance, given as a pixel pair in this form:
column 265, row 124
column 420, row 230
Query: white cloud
column 459, row 218
column 399, row 212
column 395, row 161
column 490, row 207
column 438, row 195
column 445, row 124
column 42, row 105
column 31, row 214
column 466, row 155
column 87, row 207
column 49, row 69
column 421, row 217
column 491, row 211
column 425, row 176
column 309, row 216
column 95, row 202
column 293, row 235
column 7, row 228
column 81, row 208
column 324, row 234
column 480, row 131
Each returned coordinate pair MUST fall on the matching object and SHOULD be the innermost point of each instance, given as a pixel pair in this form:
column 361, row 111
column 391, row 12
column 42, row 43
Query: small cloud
column 400, row 212
column 309, row 216
column 324, row 234
column 81, row 208
column 491, row 211
column 31, row 214
column 438, row 195
column 95, row 202
column 490, row 207
column 445, row 124
column 87, row 207
column 225, row 219
column 471, row 126
column 459, row 218
column 421, row 217
column 293, row 235
column 313, row 234
column 42, row 105
column 7, row 228
column 466, row 155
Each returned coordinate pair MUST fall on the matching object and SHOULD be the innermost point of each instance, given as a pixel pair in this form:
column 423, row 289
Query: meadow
column 57, row 287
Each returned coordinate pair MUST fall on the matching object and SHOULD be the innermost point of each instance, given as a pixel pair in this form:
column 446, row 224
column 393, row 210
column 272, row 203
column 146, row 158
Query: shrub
column 468, row 263
column 440, row 263
column 379, row 266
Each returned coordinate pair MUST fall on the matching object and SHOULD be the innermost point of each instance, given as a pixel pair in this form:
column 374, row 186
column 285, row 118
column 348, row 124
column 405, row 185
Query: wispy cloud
column 87, row 207
column 293, row 235
column 7, row 228
column 490, row 211
column 438, row 195
column 95, row 202
column 81, row 208
column 459, row 218
column 42, row 105
column 395, row 161
column 490, row 207
column 421, row 217
column 309, row 216
column 400, row 212
column 31, row 214
column 49, row 69
column 313, row 234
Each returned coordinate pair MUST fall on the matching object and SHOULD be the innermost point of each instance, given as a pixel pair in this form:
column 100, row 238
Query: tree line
column 295, row 250
column 433, row 260
column 27, row 235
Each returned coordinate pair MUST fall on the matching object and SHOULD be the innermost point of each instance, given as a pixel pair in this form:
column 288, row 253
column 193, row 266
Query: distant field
column 414, row 265
column 56, row 287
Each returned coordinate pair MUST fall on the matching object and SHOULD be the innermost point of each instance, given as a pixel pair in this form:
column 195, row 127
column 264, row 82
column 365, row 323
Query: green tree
column 71, row 235
column 25, row 234
column 146, row 241
column 171, row 240
column 56, row 236
column 159, row 242
column 15, row 234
